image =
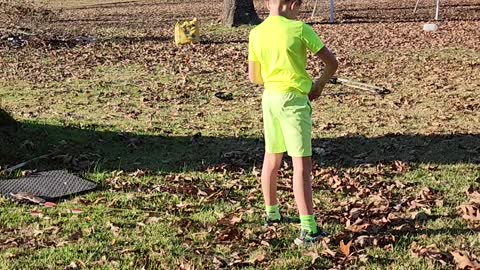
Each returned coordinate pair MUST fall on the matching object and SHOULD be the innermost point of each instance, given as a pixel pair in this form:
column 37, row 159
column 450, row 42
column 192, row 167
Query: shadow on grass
column 88, row 147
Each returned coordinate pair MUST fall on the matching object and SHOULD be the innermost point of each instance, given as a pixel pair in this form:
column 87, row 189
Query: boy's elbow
column 259, row 82
column 252, row 79
column 255, row 79
column 334, row 62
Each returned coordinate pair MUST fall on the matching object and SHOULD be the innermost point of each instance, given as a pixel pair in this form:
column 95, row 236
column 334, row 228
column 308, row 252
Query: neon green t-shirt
column 280, row 46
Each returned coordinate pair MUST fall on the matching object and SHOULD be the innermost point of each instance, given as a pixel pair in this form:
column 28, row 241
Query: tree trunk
column 5, row 118
column 237, row 12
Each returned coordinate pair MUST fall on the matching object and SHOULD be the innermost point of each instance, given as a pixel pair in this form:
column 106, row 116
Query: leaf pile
column 471, row 211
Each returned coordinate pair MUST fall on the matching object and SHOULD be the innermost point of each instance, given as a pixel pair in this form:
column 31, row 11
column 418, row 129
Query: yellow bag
column 187, row 32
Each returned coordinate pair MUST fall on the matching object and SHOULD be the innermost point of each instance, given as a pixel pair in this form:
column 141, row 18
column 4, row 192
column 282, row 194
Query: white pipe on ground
column 438, row 10
column 416, row 6
column 314, row 9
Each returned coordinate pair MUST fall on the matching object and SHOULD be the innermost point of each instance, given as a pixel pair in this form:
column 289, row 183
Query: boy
column 277, row 59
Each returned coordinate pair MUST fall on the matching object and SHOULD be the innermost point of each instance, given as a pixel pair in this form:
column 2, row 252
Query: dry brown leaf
column 420, row 216
column 314, row 255
column 259, row 257
column 463, row 261
column 236, row 220
column 474, row 197
column 326, row 250
column 400, row 166
column 216, row 261
column 355, row 213
column 345, row 248
column 357, row 228
column 374, row 240
column 439, row 203
column 187, row 266
column 470, row 212
column 137, row 174
column 75, row 211
column 114, row 229
column 151, row 220
column 431, row 252
column 25, row 196
column 377, row 200
column 36, row 213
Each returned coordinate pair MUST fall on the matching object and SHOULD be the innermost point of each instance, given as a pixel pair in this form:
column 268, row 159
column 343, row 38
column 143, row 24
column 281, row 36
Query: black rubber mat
column 50, row 184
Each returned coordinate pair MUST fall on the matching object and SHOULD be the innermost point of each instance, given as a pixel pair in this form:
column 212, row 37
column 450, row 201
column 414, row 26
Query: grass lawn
column 178, row 168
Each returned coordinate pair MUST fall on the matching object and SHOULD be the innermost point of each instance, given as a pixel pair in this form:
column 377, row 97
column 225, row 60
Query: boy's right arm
column 255, row 72
column 254, row 67
column 331, row 65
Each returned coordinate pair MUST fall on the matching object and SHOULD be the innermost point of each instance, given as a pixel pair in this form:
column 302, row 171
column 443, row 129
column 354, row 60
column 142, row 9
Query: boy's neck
column 279, row 13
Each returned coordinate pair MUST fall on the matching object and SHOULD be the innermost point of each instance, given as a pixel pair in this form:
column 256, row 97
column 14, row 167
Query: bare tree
column 237, row 12
column 5, row 118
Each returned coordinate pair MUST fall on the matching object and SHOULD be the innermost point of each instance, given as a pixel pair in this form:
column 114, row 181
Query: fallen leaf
column 216, row 261
column 75, row 211
column 71, row 266
column 49, row 204
column 265, row 243
column 235, row 220
column 326, row 249
column 355, row 213
column 345, row 248
column 470, row 212
column 259, row 257
column 314, row 256
column 114, row 229
column 420, row 216
column 400, row 166
column 186, row 266
column 463, row 261
column 374, row 240
column 137, row 174
column 357, row 228
column 25, row 196
column 36, row 213
column 151, row 220
column 431, row 252
column 474, row 197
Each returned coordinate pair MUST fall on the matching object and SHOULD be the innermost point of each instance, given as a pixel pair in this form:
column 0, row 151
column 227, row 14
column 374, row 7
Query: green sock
column 273, row 212
column 308, row 224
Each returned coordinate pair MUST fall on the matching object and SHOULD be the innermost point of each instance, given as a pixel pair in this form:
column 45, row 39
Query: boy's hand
column 331, row 65
column 316, row 91
column 314, row 95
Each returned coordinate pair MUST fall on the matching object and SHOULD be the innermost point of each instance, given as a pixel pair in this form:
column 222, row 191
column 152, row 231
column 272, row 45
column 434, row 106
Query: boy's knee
column 302, row 165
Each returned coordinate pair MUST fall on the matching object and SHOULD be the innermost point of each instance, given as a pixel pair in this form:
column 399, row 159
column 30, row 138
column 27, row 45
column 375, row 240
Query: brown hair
column 285, row 1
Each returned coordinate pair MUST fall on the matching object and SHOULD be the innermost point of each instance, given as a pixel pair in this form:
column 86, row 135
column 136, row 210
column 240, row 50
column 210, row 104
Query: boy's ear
column 295, row 4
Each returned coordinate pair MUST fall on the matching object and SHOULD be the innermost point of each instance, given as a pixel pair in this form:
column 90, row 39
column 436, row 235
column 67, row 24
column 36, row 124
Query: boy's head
column 286, row 8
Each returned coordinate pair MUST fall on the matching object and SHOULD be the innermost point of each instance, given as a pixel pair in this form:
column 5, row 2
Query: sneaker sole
column 299, row 242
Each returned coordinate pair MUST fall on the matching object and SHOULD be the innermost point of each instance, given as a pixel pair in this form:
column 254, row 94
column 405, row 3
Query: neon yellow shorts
column 287, row 120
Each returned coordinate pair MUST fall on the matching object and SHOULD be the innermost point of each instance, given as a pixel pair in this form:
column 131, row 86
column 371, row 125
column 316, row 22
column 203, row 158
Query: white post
column 314, row 9
column 438, row 10
column 332, row 7
column 416, row 6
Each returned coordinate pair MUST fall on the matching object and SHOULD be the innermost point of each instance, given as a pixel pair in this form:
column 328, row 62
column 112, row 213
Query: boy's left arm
column 255, row 72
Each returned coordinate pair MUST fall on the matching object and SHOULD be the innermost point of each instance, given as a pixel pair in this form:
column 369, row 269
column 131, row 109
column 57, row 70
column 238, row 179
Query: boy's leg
column 302, row 190
column 271, row 164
